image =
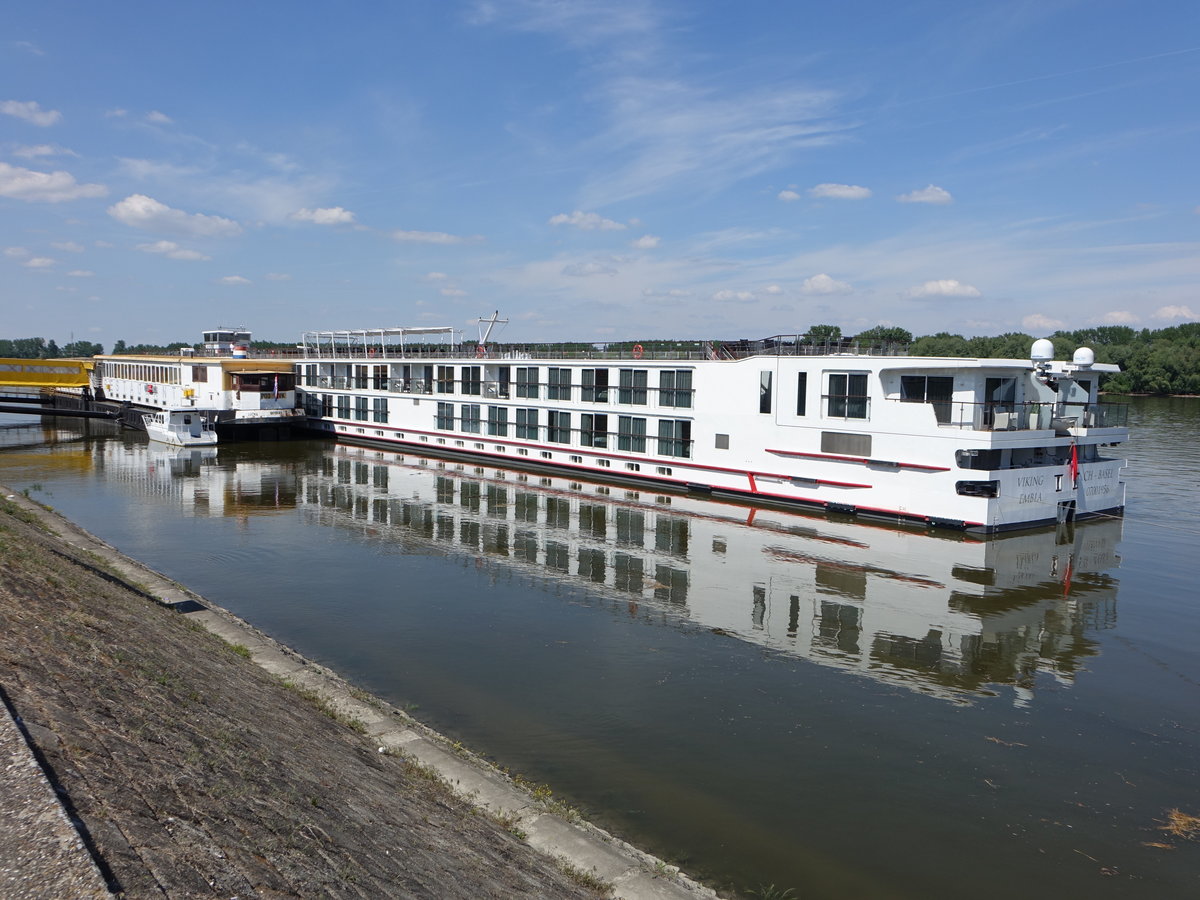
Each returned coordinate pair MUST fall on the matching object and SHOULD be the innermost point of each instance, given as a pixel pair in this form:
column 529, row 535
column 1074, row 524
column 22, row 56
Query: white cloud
column 116, row 113
column 1166, row 312
column 645, row 242
column 1119, row 317
column 788, row 196
column 38, row 150
column 587, row 221
column 68, row 246
column 733, row 296
column 80, row 273
column 233, row 279
column 427, row 237
column 16, row 252
column 30, row 111
column 946, row 287
column 1038, row 322
column 842, row 191
column 452, row 292
column 44, row 187
column 140, row 211
column 773, row 289
column 584, row 270
column 931, row 194
column 436, row 276
column 171, row 250
column 333, row 215
column 824, row 284
column 38, row 262
column 158, row 118
column 278, row 276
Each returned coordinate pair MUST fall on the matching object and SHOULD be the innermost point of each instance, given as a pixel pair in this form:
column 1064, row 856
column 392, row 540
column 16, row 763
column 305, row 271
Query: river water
column 764, row 698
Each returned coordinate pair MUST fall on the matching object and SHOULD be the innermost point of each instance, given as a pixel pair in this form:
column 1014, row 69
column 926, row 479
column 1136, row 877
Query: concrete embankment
column 156, row 745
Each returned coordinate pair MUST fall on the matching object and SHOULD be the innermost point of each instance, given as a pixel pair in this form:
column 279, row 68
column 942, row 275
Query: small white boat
column 180, row 428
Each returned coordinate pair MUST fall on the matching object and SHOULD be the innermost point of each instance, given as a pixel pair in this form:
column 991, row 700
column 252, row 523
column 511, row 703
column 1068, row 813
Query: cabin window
column 470, row 418
column 199, row 373
column 936, row 390
column 631, row 434
column 764, row 392
column 472, row 383
column 360, row 408
column 503, row 379
column 360, row 377
column 381, row 409
column 445, row 379
column 558, row 427
column 595, row 386
column 844, row 444
column 801, row 393
column 558, row 383
column 527, row 423
column 498, row 421
column 722, row 442
column 527, row 382
column 327, row 405
column 445, row 416
column 675, row 437
column 593, row 430
column 847, row 396
column 379, row 377
column 343, row 406
column 675, row 388
column 633, row 387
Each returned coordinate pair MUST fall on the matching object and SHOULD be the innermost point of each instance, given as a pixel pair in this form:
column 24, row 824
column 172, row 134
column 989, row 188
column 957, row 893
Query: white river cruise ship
column 976, row 444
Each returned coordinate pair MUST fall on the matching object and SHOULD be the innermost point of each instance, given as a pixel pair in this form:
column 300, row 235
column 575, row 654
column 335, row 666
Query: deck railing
column 1032, row 416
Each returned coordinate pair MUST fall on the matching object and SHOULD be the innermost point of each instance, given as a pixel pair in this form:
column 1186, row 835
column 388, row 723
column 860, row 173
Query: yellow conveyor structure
column 45, row 373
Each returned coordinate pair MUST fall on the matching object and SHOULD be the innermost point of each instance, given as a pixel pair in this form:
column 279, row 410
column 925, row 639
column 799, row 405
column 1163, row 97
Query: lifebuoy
column 480, row 351
column 149, row 389
column 638, row 351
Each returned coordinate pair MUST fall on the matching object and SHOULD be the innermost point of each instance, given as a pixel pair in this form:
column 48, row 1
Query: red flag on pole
column 1074, row 464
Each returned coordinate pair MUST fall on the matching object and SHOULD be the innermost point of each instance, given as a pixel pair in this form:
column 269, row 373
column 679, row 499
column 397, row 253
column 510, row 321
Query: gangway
column 45, row 373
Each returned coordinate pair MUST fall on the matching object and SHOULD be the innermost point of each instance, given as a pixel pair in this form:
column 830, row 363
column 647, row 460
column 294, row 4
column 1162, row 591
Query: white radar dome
column 1042, row 350
column 1084, row 357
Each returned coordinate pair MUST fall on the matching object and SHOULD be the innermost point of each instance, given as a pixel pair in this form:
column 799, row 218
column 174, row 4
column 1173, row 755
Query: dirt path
column 196, row 774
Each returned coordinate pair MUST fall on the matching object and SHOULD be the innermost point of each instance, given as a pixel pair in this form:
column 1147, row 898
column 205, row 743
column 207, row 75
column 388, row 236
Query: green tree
column 884, row 334
column 819, row 334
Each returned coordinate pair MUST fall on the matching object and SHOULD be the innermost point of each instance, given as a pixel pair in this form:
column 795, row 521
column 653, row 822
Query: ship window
column 675, row 437
column 977, row 488
column 847, row 397
column 604, row 462
column 445, row 379
column 470, row 418
column 633, row 467
column 801, row 393
column 527, row 382
column 764, row 392
column 936, row 390
column 527, row 424
column 558, row 427
column 498, row 421
column 631, row 434
column 593, row 430
column 558, row 383
column 381, row 409
column 471, row 382
column 199, row 373
column 595, row 386
column 343, row 406
column 445, row 416
column 675, row 388
column 633, row 387
column 722, row 442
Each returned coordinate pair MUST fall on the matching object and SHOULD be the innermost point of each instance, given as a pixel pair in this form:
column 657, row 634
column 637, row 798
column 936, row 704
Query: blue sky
column 597, row 170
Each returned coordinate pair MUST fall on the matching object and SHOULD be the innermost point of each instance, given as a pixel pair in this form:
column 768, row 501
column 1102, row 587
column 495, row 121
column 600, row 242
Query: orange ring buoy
column 480, row 351
column 638, row 351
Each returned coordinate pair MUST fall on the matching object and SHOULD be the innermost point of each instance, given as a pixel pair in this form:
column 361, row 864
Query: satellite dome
column 1042, row 350
column 1084, row 357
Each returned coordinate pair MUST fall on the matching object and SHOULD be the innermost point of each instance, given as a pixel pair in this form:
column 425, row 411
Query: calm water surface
column 762, row 697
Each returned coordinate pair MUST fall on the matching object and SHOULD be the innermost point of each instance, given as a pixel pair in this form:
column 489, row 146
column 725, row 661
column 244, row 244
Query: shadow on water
column 763, row 697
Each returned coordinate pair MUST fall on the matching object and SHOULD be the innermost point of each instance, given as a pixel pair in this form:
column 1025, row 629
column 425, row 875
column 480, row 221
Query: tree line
column 1160, row 361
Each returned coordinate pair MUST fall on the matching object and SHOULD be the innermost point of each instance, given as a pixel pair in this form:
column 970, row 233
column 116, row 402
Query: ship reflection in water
column 950, row 616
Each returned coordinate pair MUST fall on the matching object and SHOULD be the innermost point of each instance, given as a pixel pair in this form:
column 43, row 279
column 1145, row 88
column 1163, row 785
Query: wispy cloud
column 1175, row 313
column 140, row 211
column 39, row 262
column 333, row 215
column 825, row 284
column 44, row 187
column 171, row 250
column 40, row 150
column 588, row 221
column 932, row 194
column 429, row 237
column 1037, row 322
column 839, row 192
column 233, row 280
column 945, row 287
column 645, row 242
column 31, row 112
